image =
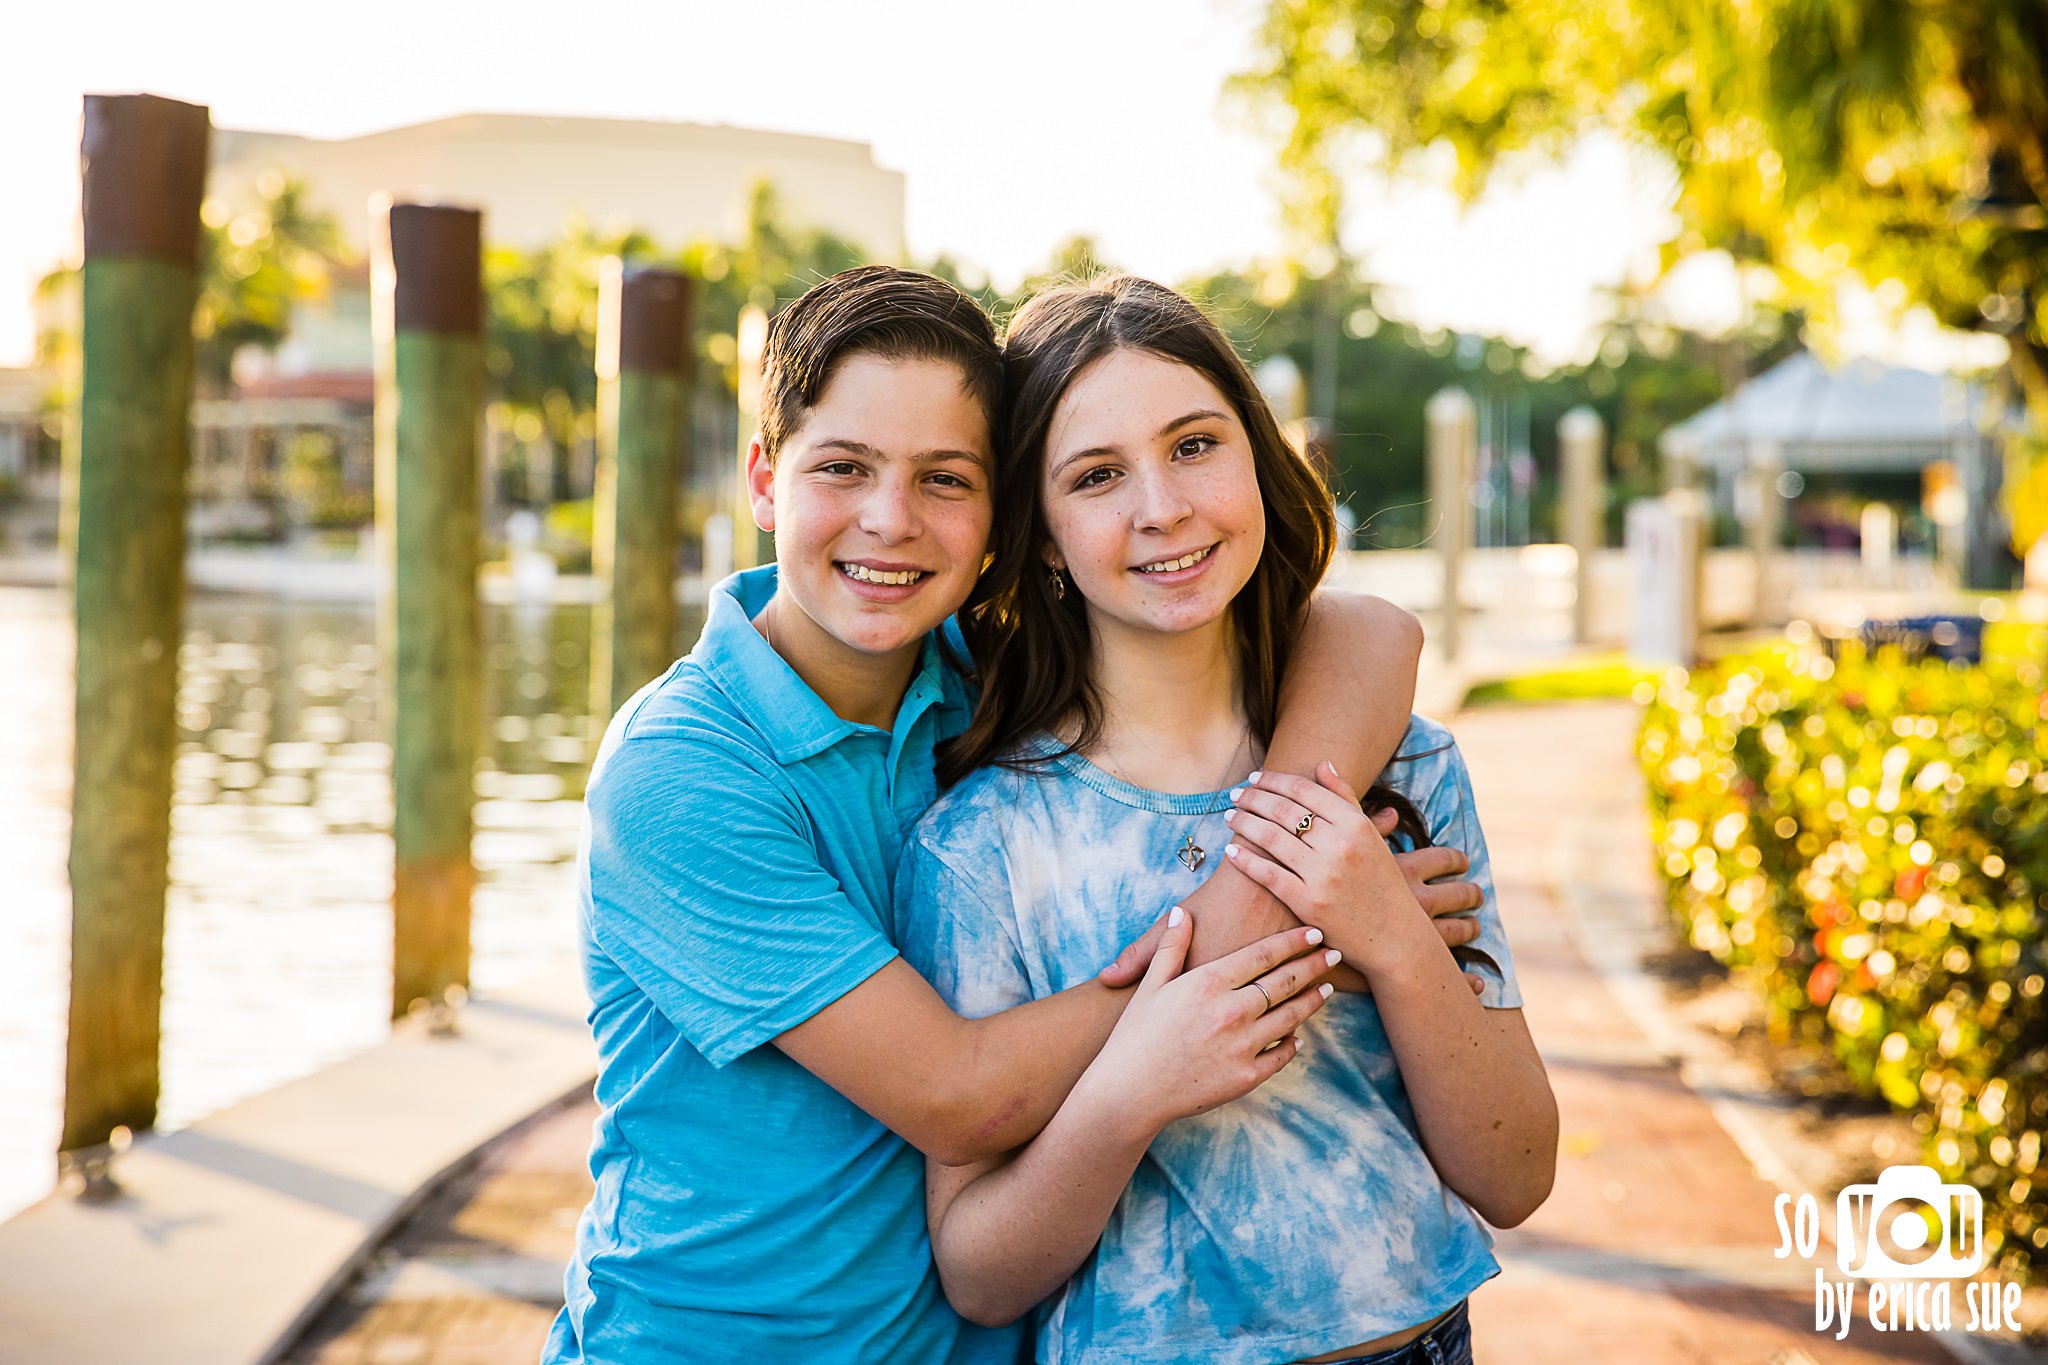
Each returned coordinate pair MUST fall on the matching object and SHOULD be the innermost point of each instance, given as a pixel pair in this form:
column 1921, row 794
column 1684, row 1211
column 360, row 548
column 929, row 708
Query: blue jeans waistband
column 1447, row 1343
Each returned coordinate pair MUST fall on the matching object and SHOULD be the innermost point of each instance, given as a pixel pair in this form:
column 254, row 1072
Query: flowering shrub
column 1867, row 841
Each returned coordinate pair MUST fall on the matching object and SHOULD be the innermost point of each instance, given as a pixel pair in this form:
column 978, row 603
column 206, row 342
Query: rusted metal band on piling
column 437, row 258
column 654, row 321
column 145, row 175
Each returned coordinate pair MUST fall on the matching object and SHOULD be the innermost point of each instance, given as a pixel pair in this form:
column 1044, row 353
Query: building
column 21, row 424
column 530, row 175
column 30, row 471
column 290, row 450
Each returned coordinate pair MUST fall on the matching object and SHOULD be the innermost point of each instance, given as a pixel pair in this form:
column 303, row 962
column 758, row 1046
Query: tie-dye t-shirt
column 1299, row 1220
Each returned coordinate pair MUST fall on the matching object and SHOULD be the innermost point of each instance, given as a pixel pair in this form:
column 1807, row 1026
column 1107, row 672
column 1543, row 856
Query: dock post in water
column 643, row 419
column 145, row 175
column 428, row 299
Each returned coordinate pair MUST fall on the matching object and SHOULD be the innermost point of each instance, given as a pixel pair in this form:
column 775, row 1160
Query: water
column 277, row 954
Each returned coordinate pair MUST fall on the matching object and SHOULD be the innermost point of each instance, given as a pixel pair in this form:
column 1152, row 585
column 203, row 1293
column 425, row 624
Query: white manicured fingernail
column 1315, row 936
column 1230, row 850
column 1326, row 990
column 1254, row 777
column 1236, row 792
column 1333, row 957
column 1174, row 917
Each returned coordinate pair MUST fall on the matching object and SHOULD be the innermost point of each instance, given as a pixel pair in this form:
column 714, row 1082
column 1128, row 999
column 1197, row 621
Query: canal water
column 278, row 934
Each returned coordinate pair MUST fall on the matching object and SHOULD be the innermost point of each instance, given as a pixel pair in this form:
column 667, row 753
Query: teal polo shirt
column 738, row 849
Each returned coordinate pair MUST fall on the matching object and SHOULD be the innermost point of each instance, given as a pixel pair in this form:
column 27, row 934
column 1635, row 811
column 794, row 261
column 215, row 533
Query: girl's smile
column 1176, row 568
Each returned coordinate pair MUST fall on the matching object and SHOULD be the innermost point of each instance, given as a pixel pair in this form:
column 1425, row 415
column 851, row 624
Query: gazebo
column 1861, row 418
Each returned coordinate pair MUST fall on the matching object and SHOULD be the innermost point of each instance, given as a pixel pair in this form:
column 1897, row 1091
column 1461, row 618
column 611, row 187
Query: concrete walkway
column 227, row 1234
column 1655, row 1246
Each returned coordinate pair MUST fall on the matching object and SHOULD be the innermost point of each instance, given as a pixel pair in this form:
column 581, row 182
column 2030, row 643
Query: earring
column 1059, row 584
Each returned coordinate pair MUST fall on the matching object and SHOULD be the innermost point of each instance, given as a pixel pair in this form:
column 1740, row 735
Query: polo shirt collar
column 794, row 719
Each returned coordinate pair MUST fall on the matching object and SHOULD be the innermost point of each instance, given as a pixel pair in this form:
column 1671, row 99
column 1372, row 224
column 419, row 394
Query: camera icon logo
column 1908, row 1225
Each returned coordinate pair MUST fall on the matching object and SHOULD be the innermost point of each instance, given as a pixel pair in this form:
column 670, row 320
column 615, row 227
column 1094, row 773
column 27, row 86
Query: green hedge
column 1867, row 840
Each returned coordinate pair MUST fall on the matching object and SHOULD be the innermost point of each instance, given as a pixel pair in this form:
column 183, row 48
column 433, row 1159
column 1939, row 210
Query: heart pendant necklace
column 1190, row 854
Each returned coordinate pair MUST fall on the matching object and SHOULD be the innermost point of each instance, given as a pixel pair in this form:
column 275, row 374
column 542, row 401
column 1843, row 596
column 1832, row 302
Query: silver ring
column 1262, row 991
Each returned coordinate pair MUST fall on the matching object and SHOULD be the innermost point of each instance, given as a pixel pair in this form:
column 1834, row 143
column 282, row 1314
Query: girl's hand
column 1432, row 875
column 1189, row 1041
column 1310, row 845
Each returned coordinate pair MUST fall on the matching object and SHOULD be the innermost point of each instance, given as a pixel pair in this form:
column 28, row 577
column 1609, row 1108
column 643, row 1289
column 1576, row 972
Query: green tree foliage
column 542, row 308
column 256, row 265
column 1075, row 259
column 541, row 326
column 1643, row 381
column 775, row 259
column 1904, row 139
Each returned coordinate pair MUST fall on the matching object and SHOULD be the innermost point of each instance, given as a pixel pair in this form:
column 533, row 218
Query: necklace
column 1190, row 854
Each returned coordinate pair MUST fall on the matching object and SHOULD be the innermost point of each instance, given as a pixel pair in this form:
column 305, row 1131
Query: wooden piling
column 643, row 416
column 428, row 302
column 1452, row 421
column 1766, row 524
column 1582, row 485
column 145, row 175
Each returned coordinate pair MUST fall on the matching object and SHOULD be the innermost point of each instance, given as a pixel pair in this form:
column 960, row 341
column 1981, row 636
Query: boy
column 745, row 813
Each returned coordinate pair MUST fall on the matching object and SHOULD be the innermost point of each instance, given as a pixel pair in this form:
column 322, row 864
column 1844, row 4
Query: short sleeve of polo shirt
column 956, row 931
column 1453, row 819
column 707, row 892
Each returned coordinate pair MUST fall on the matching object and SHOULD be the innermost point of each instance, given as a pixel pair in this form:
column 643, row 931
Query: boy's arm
column 962, row 1090
column 707, row 892
column 1346, row 699
column 1349, row 690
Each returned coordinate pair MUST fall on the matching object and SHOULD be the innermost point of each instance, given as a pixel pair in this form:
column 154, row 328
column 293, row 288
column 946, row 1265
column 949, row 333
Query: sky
column 1016, row 128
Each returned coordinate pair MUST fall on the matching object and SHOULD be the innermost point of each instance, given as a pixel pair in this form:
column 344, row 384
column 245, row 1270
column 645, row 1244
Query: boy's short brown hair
column 879, row 310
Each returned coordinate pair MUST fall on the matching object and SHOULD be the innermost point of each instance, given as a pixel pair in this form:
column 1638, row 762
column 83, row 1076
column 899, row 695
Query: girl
column 1155, row 552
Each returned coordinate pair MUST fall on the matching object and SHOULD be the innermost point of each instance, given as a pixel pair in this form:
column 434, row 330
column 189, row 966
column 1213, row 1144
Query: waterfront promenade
column 1655, row 1247
column 1659, row 1233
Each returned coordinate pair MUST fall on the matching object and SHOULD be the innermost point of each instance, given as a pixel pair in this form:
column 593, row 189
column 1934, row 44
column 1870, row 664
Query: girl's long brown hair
column 1032, row 649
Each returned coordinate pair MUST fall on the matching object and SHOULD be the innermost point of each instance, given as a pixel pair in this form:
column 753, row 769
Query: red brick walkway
column 1654, row 1248
column 475, row 1276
